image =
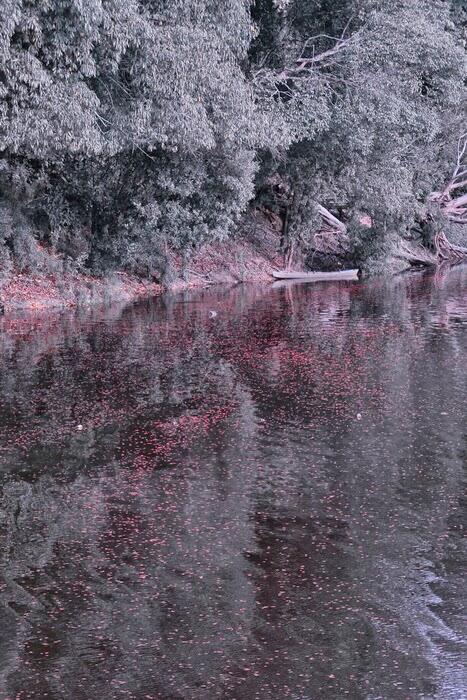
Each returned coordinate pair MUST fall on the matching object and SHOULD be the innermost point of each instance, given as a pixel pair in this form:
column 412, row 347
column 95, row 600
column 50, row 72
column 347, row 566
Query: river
column 249, row 493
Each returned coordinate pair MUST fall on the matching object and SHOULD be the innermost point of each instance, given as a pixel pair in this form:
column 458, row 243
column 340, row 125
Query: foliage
column 127, row 127
column 395, row 88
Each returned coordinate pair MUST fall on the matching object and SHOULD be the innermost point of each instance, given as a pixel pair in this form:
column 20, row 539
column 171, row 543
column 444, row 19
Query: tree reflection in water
column 224, row 526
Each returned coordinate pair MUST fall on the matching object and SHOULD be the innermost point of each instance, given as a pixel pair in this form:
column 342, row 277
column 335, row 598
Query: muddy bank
column 240, row 260
column 245, row 259
column 40, row 292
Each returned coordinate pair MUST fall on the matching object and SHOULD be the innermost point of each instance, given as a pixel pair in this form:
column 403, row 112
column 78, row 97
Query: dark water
column 263, row 504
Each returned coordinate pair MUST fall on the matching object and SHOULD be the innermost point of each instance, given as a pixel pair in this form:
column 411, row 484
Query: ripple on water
column 262, row 504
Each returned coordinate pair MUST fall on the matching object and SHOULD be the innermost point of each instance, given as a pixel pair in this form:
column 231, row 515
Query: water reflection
column 264, row 504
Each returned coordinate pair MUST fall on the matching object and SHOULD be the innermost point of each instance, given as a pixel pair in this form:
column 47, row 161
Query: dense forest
column 132, row 127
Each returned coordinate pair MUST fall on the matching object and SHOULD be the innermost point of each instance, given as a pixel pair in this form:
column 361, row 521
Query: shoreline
column 24, row 292
column 248, row 258
column 45, row 292
column 245, row 259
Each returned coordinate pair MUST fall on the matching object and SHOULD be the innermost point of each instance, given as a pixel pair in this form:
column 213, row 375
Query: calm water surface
column 263, row 503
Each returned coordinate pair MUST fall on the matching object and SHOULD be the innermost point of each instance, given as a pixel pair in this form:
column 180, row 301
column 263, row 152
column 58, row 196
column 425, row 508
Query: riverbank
column 248, row 258
column 50, row 291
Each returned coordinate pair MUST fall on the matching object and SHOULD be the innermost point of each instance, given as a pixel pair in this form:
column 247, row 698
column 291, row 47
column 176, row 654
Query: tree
column 396, row 74
column 127, row 128
column 127, row 110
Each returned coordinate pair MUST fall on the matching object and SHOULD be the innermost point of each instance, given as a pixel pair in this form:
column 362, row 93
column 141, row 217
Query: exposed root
column 448, row 252
column 415, row 254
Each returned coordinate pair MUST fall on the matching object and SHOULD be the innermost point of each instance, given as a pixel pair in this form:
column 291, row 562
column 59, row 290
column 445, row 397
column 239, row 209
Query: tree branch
column 303, row 66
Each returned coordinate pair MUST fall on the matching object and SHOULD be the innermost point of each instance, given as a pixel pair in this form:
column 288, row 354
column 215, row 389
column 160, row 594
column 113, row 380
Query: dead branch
column 331, row 220
column 302, row 67
column 332, row 238
column 323, row 59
